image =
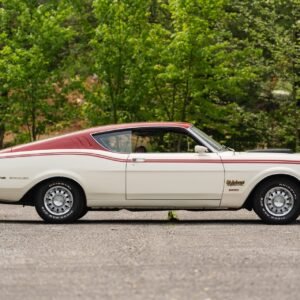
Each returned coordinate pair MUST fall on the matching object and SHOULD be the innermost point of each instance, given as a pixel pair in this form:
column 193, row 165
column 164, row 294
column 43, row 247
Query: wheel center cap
column 58, row 200
column 279, row 201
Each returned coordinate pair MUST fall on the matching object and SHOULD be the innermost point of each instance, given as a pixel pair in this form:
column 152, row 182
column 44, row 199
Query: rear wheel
column 60, row 201
column 277, row 201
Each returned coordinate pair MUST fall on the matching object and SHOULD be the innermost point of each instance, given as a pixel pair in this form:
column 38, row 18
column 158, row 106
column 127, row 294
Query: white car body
column 197, row 180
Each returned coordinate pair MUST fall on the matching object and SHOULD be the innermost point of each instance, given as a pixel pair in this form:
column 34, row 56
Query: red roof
column 83, row 140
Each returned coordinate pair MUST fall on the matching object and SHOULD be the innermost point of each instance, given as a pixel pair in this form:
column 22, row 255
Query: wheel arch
column 28, row 198
column 248, row 204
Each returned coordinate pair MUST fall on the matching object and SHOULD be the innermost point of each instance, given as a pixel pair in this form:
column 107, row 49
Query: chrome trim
column 279, row 201
column 196, row 137
column 130, row 128
column 58, row 200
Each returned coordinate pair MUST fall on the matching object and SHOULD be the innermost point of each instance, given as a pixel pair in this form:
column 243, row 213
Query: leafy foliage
column 229, row 66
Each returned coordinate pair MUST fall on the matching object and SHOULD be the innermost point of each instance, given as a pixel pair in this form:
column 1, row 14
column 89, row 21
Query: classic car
column 147, row 166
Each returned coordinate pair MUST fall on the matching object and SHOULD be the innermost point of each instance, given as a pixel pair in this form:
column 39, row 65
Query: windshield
column 208, row 140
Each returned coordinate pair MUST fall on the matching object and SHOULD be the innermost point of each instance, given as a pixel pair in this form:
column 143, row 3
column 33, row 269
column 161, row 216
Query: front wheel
column 59, row 201
column 277, row 201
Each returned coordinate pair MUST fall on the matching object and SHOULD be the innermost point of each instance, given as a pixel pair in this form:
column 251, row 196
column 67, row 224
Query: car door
column 166, row 167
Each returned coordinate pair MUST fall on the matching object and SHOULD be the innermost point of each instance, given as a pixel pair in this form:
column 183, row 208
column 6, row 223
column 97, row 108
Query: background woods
column 231, row 67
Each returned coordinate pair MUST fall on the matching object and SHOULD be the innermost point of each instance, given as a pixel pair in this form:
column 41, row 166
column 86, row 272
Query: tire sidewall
column 72, row 214
column 259, row 205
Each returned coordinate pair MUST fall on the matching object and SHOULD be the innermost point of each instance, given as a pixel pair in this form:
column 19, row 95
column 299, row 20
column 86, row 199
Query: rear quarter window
column 119, row 141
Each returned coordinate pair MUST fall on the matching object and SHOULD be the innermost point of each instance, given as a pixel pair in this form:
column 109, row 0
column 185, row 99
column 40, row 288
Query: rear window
column 119, row 141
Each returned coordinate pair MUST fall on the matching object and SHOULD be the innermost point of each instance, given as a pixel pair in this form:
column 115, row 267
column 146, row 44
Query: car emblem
column 235, row 182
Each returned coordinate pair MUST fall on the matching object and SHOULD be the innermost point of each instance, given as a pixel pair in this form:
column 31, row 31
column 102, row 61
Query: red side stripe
column 66, row 153
column 207, row 161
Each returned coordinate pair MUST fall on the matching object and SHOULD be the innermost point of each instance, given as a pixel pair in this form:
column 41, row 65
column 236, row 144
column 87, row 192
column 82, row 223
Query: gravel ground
column 126, row 255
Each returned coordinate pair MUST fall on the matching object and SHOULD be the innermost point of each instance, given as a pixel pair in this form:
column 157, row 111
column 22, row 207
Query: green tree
column 34, row 42
column 271, row 26
column 197, row 70
column 220, row 64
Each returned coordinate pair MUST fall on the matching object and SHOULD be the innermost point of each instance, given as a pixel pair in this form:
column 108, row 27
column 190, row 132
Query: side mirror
column 200, row 149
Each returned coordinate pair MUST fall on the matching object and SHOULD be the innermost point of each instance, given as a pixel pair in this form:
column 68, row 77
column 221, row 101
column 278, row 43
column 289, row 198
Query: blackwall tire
column 84, row 212
column 277, row 201
column 59, row 201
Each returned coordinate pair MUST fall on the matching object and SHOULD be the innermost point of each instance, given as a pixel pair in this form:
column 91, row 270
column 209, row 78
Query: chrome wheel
column 279, row 201
column 58, row 200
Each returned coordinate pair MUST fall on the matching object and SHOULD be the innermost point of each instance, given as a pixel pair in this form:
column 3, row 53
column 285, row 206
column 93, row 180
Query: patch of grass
column 172, row 216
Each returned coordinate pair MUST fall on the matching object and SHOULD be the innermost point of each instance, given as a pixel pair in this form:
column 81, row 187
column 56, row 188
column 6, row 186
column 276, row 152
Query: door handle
column 138, row 159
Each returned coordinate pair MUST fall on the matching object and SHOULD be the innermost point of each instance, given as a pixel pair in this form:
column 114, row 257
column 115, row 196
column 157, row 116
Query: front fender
column 235, row 197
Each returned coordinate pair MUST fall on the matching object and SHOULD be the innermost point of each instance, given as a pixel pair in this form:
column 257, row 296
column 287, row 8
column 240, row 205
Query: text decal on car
column 235, row 182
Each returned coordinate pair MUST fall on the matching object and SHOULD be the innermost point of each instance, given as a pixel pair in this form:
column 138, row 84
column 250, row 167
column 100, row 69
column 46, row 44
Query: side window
column 179, row 142
column 119, row 141
column 162, row 141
